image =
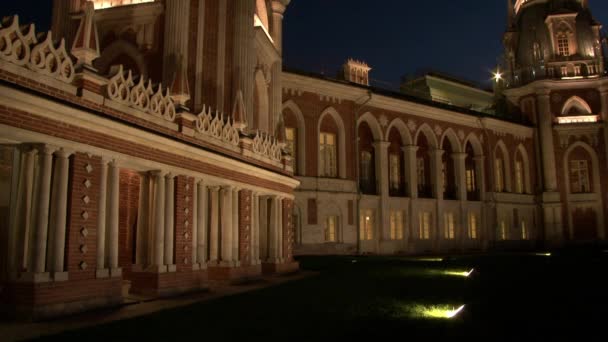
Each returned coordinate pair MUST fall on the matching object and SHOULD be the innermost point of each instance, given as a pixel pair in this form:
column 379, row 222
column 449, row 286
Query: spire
column 180, row 89
column 238, row 112
column 86, row 42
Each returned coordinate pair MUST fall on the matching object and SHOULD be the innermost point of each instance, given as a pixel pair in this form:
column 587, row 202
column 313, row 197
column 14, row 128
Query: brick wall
column 288, row 233
column 245, row 227
column 128, row 209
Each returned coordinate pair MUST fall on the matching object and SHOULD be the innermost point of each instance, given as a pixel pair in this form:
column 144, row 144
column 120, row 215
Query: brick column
column 245, row 227
column 287, row 230
column 184, row 209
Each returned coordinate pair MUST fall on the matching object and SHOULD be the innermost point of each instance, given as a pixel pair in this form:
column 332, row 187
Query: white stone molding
column 267, row 146
column 141, row 96
column 20, row 46
column 217, row 128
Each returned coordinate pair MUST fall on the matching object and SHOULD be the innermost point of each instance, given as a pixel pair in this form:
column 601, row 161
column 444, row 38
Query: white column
column 214, row 229
column 235, row 225
column 159, row 221
column 226, row 196
column 273, row 225
column 280, row 229
column 42, row 222
column 263, row 229
column 169, row 220
column 201, row 244
column 113, row 219
column 254, row 243
column 383, row 218
column 409, row 153
column 142, row 247
column 278, row 8
column 101, row 218
column 62, row 166
column 22, row 220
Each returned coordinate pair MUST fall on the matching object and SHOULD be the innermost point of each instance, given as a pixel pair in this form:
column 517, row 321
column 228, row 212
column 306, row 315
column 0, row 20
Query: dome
column 546, row 35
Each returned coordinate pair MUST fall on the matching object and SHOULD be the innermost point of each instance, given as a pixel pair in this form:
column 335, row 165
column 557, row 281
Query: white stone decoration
column 411, row 124
column 84, row 232
column 83, row 265
column 86, row 199
column 83, row 249
column 438, row 130
column 461, row 135
column 19, row 45
column 383, row 121
column 141, row 96
column 217, row 127
column 85, row 215
column 51, row 60
column 267, row 146
column 88, row 168
column 87, row 183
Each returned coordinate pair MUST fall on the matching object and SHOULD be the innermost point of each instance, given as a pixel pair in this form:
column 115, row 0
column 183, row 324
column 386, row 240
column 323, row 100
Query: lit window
column 396, row 225
column 366, row 165
column 524, row 231
column 563, row 48
column 519, row 177
column 471, row 183
column 290, row 136
column 420, row 171
column 395, row 172
column 366, row 222
column 579, row 176
column 327, row 155
column 502, row 230
column 448, row 227
column 472, row 232
column 424, row 225
column 331, row 226
column 499, row 175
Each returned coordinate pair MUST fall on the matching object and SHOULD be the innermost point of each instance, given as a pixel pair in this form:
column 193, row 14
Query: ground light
column 437, row 312
column 459, row 273
column 543, row 254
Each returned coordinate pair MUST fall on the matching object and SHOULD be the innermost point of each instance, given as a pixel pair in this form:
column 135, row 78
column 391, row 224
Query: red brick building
column 153, row 147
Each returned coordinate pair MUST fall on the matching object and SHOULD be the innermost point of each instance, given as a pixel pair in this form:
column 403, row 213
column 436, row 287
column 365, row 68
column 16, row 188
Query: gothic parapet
column 217, row 128
column 20, row 45
column 267, row 146
column 142, row 96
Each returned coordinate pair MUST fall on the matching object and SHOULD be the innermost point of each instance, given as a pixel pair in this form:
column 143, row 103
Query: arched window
column 499, row 174
column 423, row 167
column 563, row 45
column 396, row 164
column 331, row 229
column 328, row 155
column 576, row 106
column 470, row 174
column 502, row 177
column 447, row 171
column 580, row 163
column 331, row 160
column 294, row 120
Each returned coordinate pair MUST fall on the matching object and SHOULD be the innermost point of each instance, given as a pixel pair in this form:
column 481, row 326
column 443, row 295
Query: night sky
column 395, row 37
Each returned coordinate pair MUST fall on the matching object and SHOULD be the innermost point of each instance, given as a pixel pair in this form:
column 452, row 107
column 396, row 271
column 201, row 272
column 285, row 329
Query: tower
column 555, row 76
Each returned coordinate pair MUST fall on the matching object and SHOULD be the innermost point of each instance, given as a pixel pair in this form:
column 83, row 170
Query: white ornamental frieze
column 215, row 126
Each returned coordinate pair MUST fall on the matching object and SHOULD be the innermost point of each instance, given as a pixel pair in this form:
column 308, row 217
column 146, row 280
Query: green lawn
column 507, row 297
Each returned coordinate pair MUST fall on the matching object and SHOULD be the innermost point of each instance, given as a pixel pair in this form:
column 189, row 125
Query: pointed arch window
column 291, row 139
column 327, row 155
column 563, row 45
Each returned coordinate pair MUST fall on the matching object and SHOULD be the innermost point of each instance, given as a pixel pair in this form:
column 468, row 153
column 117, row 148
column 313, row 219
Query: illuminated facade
column 156, row 147
column 140, row 152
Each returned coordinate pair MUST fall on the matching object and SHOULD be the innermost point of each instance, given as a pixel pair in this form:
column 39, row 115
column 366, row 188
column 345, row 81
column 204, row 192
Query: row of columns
column 217, row 227
column 38, row 235
column 409, row 152
column 155, row 223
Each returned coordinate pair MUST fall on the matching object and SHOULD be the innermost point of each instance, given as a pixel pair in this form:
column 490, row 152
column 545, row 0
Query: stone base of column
column 233, row 275
column 31, row 301
column 116, row 273
column 102, row 273
column 285, row 267
column 171, row 268
column 60, row 276
column 32, row 277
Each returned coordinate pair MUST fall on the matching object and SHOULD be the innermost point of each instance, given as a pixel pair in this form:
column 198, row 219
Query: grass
column 507, row 297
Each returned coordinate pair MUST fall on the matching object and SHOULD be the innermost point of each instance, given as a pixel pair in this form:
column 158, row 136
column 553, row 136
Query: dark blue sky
column 394, row 37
